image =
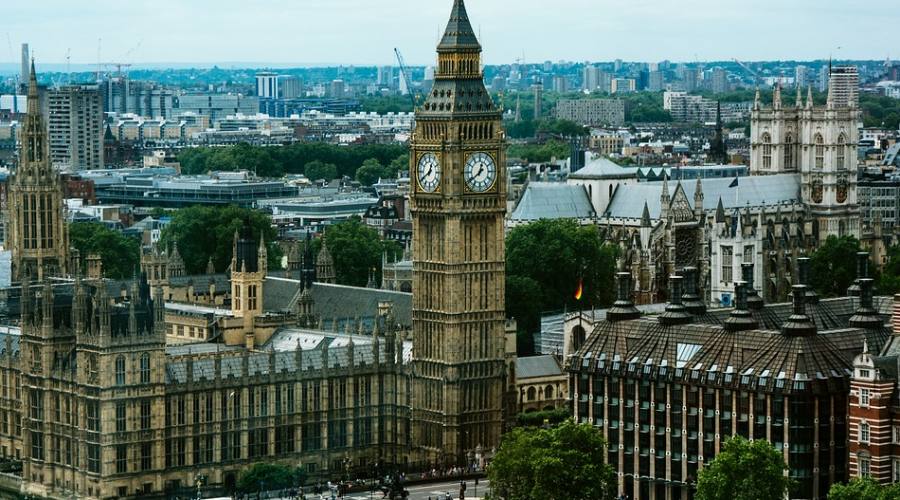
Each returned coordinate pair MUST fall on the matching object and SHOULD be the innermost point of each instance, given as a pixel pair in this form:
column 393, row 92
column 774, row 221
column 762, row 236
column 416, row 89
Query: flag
column 580, row 290
column 734, row 183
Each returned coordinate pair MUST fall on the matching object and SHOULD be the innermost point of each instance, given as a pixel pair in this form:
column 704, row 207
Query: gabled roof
column 553, row 200
column 603, row 168
column 765, row 190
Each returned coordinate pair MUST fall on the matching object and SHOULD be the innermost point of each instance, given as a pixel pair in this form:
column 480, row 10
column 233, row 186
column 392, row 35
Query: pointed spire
column 776, row 96
column 720, row 211
column 459, row 33
column 809, row 97
column 798, row 101
column 830, row 102
column 698, row 189
column 756, row 100
column 645, row 217
column 33, row 104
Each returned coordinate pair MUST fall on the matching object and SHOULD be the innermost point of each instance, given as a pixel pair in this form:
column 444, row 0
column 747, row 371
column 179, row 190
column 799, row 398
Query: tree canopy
column 121, row 255
column 833, row 266
column 539, row 153
column 270, row 476
column 288, row 159
column 864, row 489
column 545, row 261
column 357, row 251
column 744, row 470
column 557, row 463
column 203, row 232
column 316, row 170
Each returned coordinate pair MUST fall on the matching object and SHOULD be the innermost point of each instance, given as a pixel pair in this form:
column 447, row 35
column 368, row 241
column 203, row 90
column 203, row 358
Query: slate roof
column 537, row 367
column 344, row 302
column 553, row 200
column 603, row 168
column 628, row 201
column 765, row 359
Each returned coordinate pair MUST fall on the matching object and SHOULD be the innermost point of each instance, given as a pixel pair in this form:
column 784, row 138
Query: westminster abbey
column 113, row 389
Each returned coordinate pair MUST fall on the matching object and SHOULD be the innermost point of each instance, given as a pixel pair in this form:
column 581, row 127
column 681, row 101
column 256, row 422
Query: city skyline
column 288, row 34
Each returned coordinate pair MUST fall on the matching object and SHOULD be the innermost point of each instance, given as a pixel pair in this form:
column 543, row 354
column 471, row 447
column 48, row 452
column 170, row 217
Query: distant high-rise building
column 404, row 87
column 267, row 85
column 289, row 87
column 337, row 89
column 822, row 82
column 622, row 85
column 844, row 87
column 76, row 127
column 690, row 79
column 538, row 99
column 385, row 76
column 655, row 81
column 560, row 84
column 498, row 83
column 24, row 73
column 122, row 95
column 592, row 112
column 719, row 83
column 429, row 78
column 617, row 66
column 801, row 76
column 591, row 78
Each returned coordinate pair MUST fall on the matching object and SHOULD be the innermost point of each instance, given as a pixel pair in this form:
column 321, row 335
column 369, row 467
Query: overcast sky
column 364, row 32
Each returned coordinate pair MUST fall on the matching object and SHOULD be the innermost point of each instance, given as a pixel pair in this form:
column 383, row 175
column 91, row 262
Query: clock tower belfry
column 458, row 205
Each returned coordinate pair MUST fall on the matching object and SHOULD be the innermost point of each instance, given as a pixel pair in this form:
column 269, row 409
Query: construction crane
column 405, row 75
column 756, row 77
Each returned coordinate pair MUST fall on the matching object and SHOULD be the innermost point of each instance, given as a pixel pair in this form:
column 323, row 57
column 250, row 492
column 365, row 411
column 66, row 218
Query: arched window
column 531, row 394
column 841, row 152
column 788, row 152
column 145, row 368
column 120, row 370
column 820, row 151
column 864, row 432
column 578, row 337
column 548, row 392
column 767, row 151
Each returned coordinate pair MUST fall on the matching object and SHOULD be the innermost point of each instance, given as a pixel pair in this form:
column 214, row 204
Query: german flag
column 580, row 290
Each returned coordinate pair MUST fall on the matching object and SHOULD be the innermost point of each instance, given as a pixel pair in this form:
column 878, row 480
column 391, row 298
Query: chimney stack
column 803, row 264
column 691, row 297
column 866, row 316
column 754, row 301
column 675, row 314
column 799, row 324
column 741, row 319
column 623, row 309
column 862, row 271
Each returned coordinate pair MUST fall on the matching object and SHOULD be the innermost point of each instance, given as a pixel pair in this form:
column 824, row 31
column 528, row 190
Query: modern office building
column 843, row 87
column 592, row 112
column 76, row 127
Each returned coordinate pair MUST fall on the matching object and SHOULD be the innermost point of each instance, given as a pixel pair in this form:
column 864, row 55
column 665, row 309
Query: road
column 430, row 491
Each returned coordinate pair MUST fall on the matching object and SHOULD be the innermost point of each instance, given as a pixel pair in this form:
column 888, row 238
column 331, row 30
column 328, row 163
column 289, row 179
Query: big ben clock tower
column 458, row 204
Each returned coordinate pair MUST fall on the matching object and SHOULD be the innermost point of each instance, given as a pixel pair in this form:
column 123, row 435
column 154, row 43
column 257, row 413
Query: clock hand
column 428, row 174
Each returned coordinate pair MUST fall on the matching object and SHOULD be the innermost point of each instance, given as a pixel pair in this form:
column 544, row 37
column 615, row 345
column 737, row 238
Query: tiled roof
column 537, row 366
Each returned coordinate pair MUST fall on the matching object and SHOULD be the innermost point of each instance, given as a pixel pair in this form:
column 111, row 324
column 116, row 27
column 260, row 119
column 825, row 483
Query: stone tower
column 248, row 272
column 38, row 236
column 458, row 204
column 325, row 265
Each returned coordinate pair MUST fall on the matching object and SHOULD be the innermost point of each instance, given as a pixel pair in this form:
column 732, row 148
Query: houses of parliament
column 117, row 389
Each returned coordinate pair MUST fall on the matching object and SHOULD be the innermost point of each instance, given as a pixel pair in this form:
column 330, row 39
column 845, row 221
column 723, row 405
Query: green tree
column 833, row 266
column 370, row 171
column 556, row 463
column 545, row 261
column 864, row 489
column 121, row 255
column 889, row 280
column 538, row 153
column 270, row 476
column 357, row 250
column 744, row 470
column 203, row 232
column 316, row 170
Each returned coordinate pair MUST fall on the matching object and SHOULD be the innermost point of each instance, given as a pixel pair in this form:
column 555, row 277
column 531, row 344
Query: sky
column 365, row 32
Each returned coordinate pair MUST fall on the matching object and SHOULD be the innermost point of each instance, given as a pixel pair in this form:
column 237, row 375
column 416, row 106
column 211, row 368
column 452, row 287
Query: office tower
column 24, row 73
column 655, row 81
column 844, row 87
column 337, row 89
column 690, row 79
column 538, row 99
column 76, row 127
column 267, row 85
column 622, row 85
column 385, row 76
column 560, row 84
column 801, row 76
column 289, row 87
column 822, row 82
column 591, row 78
column 719, row 84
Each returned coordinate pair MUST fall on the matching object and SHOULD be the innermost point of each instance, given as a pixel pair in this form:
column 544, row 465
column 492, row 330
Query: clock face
column 480, row 172
column 429, row 172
